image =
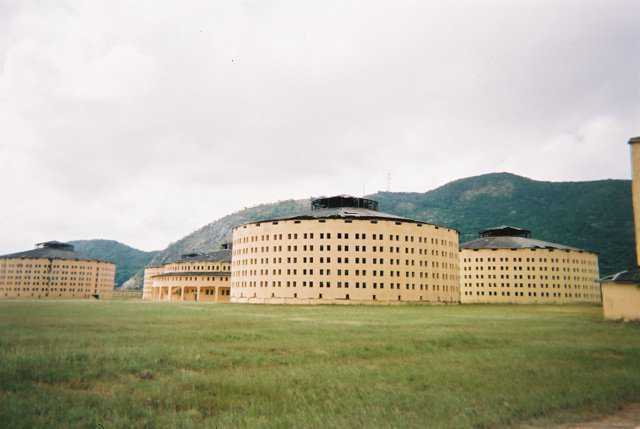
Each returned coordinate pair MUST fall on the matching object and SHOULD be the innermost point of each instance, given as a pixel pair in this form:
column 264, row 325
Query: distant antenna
column 389, row 181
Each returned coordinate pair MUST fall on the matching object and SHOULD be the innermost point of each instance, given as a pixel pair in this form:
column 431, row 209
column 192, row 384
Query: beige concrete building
column 505, row 265
column 621, row 296
column 344, row 251
column 621, row 292
column 54, row 270
column 194, row 277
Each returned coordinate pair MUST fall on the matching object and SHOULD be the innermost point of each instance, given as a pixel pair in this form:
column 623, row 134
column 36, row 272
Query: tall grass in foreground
column 129, row 364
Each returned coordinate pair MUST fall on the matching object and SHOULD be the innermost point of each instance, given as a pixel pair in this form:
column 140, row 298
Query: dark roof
column 627, row 277
column 51, row 250
column 56, row 245
column 343, row 201
column 633, row 140
column 505, row 231
column 223, row 255
column 194, row 273
column 515, row 243
column 357, row 213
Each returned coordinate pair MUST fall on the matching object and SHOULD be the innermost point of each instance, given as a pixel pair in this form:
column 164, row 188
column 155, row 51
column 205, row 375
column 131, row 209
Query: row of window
column 46, row 294
column 545, row 260
column 54, row 266
column 347, row 297
column 533, row 268
column 341, row 248
column 533, row 294
column 531, row 277
column 534, row 285
column 343, row 260
column 191, row 279
column 15, row 289
column 340, row 272
column 340, row 284
column 341, row 236
column 187, row 267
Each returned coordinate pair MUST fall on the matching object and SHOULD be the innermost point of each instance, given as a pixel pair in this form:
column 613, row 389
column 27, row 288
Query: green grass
column 129, row 364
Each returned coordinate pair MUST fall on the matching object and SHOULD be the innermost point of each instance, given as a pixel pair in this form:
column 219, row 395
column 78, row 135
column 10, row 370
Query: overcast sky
column 142, row 121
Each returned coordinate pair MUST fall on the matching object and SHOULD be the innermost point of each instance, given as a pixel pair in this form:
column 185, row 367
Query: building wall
column 191, row 288
column 635, row 191
column 165, row 283
column 344, row 261
column 57, row 278
column 528, row 276
column 147, row 284
column 621, row 301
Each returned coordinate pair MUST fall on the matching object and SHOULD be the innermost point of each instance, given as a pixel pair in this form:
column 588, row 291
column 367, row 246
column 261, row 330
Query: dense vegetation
column 590, row 215
column 127, row 259
column 131, row 364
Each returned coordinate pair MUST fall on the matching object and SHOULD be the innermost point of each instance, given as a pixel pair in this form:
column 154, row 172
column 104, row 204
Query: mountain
column 127, row 259
column 594, row 215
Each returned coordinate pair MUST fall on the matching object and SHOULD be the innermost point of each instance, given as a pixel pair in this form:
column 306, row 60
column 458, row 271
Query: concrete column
column 169, row 287
column 182, row 293
column 198, row 294
column 635, row 190
column 216, row 291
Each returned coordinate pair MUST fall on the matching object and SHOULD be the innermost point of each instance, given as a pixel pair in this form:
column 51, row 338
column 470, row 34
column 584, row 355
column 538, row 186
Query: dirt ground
column 626, row 418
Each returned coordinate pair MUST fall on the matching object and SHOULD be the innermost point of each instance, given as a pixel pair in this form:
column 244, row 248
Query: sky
column 142, row 121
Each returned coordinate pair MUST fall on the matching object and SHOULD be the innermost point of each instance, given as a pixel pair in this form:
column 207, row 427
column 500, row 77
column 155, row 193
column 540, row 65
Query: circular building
column 344, row 251
column 54, row 270
column 506, row 265
column 194, row 277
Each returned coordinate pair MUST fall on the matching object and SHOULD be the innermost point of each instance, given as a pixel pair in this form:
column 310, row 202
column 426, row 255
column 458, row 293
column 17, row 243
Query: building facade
column 344, row 251
column 194, row 277
column 621, row 292
column 505, row 265
column 54, row 271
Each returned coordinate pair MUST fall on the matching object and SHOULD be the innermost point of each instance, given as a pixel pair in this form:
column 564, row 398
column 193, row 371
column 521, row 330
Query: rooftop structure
column 510, row 237
column 50, row 250
column 343, row 201
column 630, row 277
column 505, row 231
column 217, row 256
column 346, row 207
column 55, row 245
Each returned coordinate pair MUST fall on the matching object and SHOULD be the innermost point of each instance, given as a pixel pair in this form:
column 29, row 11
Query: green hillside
column 590, row 215
column 127, row 259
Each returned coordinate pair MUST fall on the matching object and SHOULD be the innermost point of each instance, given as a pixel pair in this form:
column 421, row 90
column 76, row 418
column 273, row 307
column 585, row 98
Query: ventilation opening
column 295, row 295
column 273, row 295
column 399, row 298
column 320, row 296
column 374, row 297
column 346, row 297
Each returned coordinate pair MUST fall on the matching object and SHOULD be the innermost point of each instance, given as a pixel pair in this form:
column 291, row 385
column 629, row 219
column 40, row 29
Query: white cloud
column 141, row 121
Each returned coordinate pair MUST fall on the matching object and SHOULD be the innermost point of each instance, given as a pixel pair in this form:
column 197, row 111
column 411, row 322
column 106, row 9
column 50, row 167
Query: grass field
column 129, row 364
